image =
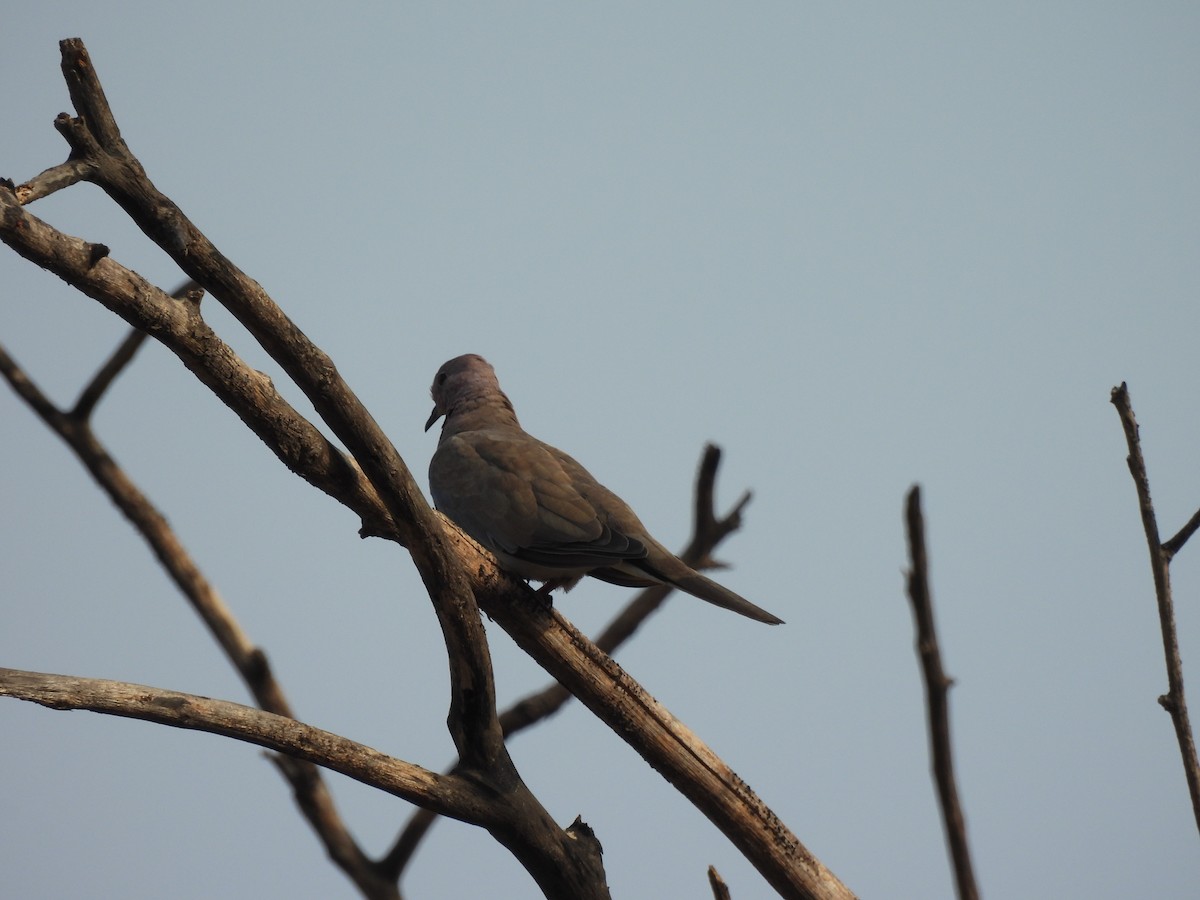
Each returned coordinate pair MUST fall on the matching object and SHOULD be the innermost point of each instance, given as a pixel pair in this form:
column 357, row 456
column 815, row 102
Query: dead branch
column 53, row 179
column 94, row 390
column 179, row 327
column 1174, row 701
column 451, row 795
column 309, row 789
column 937, row 686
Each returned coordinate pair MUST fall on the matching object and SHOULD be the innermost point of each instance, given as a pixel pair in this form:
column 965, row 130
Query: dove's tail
column 707, row 589
column 660, row 566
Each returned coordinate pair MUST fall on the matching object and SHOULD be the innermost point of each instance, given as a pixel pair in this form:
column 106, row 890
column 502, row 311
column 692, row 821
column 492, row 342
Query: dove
column 540, row 512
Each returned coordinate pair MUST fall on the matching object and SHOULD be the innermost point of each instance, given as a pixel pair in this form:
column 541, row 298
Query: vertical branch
column 937, row 686
column 1173, row 701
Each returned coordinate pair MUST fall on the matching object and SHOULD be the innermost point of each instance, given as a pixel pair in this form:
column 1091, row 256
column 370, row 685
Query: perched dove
column 539, row 511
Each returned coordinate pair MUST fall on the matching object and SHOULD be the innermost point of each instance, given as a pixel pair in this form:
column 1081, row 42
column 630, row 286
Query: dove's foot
column 540, row 599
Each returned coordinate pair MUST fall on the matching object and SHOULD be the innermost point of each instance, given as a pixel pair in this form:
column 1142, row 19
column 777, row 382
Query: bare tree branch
column 153, row 527
column 311, row 793
column 122, row 356
column 937, row 686
column 451, row 795
column 1174, row 701
column 53, row 179
column 457, row 796
column 178, row 326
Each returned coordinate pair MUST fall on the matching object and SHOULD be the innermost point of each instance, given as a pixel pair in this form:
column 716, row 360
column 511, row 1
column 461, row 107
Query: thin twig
column 94, row 390
column 122, row 356
column 937, row 701
column 1174, row 701
column 1175, row 544
column 309, row 789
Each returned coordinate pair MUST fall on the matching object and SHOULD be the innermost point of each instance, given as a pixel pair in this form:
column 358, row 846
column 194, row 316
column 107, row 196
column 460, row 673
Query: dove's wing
column 511, row 493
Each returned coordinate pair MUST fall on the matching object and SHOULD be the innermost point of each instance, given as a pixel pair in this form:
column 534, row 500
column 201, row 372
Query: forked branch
column 1174, row 701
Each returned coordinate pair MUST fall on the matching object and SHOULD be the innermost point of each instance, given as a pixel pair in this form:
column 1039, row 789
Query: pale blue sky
column 857, row 246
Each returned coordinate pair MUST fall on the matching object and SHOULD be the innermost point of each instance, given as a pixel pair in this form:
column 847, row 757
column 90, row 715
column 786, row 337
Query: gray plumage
column 538, row 510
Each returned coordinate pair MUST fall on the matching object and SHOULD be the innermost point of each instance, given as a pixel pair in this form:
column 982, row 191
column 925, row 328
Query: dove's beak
column 433, row 417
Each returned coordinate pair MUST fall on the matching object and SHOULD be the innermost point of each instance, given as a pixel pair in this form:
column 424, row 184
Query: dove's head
column 463, row 384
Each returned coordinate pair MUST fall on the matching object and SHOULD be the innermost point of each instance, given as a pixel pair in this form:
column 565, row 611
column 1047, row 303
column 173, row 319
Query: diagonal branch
column 670, row 747
column 937, row 686
column 53, row 179
column 122, row 357
column 1174, row 701
column 309, row 789
column 707, row 532
column 178, row 326
column 1175, row 544
column 155, row 530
